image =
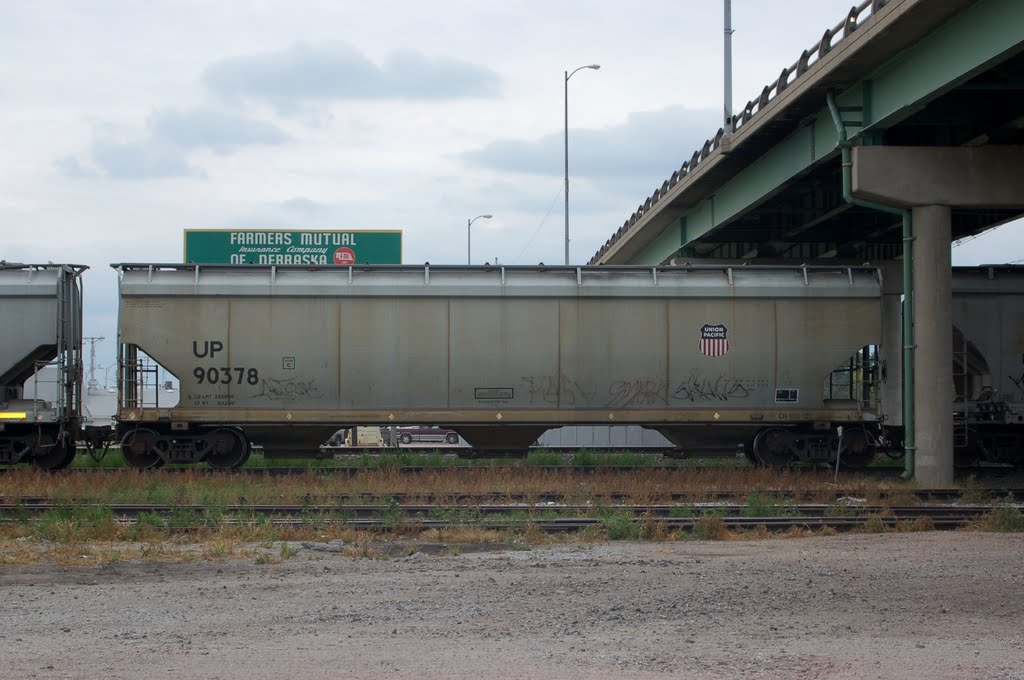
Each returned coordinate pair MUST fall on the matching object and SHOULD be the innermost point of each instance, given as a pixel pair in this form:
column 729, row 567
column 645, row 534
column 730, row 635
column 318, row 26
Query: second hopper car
column 40, row 345
column 709, row 356
column 988, row 364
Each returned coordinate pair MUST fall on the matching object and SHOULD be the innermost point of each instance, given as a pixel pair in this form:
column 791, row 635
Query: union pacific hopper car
column 778, row 358
column 40, row 345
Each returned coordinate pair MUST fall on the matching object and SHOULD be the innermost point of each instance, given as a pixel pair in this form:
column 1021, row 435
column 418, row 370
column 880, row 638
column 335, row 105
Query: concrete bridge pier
column 928, row 181
column 933, row 324
column 890, row 390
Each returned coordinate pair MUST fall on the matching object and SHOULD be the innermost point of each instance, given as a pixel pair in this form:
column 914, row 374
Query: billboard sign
column 272, row 246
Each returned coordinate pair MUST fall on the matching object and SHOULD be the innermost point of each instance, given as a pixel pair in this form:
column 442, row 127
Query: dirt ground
column 927, row 605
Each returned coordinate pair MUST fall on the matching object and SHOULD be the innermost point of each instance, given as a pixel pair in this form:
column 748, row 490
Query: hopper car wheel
column 773, row 447
column 53, row 455
column 230, row 449
column 857, row 451
column 451, row 438
column 141, row 448
column 405, row 438
column 748, row 452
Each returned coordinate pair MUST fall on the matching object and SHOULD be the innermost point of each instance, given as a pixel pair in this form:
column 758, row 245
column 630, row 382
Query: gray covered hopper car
column 988, row 364
column 40, row 344
column 708, row 356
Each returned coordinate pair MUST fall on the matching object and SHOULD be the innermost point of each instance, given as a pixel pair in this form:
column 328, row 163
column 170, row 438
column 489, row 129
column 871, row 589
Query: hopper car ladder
column 135, row 372
column 960, row 386
column 67, row 402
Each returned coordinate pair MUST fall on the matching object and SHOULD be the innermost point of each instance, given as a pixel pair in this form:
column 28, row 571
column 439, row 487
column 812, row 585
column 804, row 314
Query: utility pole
column 727, row 125
column 92, row 384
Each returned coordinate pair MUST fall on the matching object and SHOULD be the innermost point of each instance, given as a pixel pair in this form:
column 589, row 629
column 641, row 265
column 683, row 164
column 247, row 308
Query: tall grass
column 197, row 487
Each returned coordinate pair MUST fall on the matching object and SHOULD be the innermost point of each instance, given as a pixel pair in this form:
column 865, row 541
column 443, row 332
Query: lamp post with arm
column 567, row 76
column 469, row 223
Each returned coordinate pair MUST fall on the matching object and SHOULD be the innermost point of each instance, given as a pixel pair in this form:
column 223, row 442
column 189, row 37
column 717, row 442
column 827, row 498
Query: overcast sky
column 125, row 122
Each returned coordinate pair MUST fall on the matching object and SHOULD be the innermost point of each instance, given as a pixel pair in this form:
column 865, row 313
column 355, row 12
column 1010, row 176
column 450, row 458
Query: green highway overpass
column 935, row 74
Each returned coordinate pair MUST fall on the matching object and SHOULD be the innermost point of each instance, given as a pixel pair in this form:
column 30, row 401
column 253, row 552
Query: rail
column 512, row 516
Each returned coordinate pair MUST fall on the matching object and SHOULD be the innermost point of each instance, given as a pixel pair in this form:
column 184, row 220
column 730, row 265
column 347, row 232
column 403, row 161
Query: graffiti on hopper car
column 547, row 388
column 287, row 390
column 637, row 392
column 1019, row 382
column 698, row 387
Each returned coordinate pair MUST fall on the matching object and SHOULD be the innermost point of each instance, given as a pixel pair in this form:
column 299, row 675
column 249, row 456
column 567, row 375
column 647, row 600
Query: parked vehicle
column 407, row 434
column 366, row 435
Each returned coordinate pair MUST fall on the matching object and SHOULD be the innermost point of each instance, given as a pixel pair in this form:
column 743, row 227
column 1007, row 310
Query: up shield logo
column 714, row 340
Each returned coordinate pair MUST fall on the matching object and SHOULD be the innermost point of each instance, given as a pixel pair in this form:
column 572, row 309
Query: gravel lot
column 927, row 605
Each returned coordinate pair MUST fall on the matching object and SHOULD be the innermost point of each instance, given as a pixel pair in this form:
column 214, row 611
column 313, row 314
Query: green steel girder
column 927, row 94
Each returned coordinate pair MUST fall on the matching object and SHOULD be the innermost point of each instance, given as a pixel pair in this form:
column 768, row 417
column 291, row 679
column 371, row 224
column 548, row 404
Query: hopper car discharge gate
column 713, row 357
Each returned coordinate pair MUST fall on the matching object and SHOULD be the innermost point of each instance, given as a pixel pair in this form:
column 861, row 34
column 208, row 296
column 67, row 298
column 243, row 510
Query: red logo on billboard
column 714, row 340
column 344, row 256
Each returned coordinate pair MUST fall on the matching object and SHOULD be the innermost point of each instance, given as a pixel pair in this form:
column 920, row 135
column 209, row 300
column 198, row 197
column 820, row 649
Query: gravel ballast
column 924, row 605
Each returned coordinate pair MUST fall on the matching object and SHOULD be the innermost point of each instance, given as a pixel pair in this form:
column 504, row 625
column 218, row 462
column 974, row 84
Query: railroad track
column 545, row 498
column 553, row 517
column 350, row 470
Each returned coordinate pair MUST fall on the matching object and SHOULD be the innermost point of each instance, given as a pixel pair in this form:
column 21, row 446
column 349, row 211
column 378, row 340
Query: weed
column 916, row 524
column 20, row 513
column 219, row 551
column 841, row 509
column 67, row 525
column 651, row 529
column 544, row 458
column 630, row 459
column 758, row 532
column 619, row 525
column 1003, row 519
column 593, row 533
column 363, row 550
column 531, row 534
column 262, row 559
column 873, row 524
column 287, row 551
column 150, row 520
column 972, row 493
column 761, row 506
column 584, row 458
column 183, row 518
column 710, row 528
column 392, row 515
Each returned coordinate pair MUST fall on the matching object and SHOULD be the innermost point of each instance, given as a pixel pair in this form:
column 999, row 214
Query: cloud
column 304, row 206
column 648, row 143
column 139, row 160
column 163, row 150
column 306, row 74
column 212, row 130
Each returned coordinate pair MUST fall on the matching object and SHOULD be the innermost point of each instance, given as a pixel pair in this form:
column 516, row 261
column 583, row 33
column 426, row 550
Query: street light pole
column 567, row 76
column 469, row 223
